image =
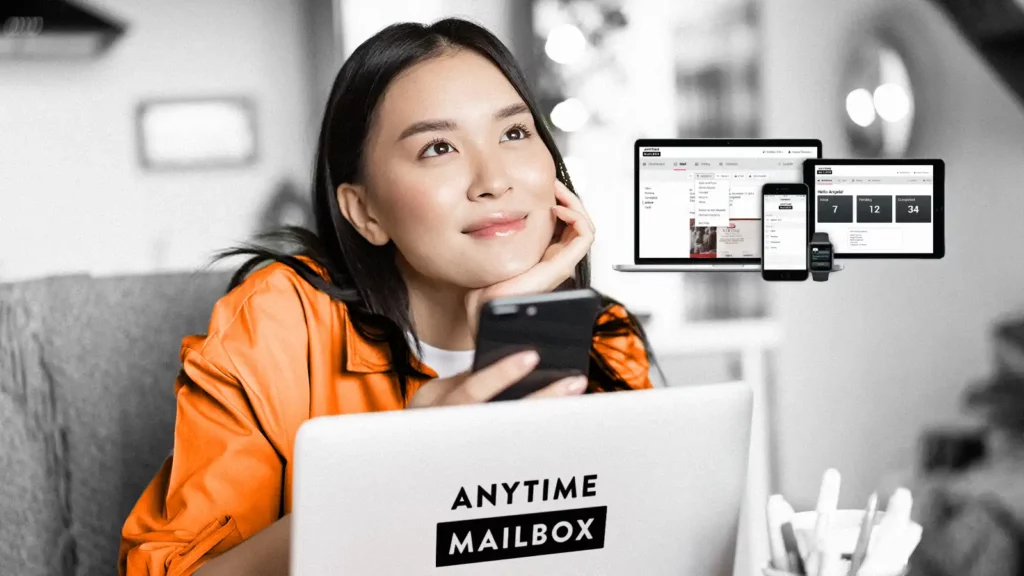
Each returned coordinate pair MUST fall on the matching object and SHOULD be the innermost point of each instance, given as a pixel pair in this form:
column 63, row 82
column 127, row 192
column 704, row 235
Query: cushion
column 103, row 357
column 35, row 532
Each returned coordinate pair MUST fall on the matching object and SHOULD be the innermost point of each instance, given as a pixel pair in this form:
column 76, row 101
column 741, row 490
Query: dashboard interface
column 705, row 202
column 785, row 232
column 876, row 209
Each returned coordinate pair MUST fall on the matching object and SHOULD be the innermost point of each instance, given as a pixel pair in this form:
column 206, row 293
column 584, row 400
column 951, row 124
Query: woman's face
column 456, row 175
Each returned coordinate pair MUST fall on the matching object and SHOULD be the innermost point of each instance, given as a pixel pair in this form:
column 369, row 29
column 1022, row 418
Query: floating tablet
column 879, row 208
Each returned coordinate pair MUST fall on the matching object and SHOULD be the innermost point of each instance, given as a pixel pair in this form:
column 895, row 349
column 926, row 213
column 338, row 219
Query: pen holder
column 842, row 533
column 767, row 570
column 843, row 529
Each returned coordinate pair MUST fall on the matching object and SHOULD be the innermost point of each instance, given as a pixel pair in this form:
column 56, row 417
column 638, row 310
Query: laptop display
column 699, row 201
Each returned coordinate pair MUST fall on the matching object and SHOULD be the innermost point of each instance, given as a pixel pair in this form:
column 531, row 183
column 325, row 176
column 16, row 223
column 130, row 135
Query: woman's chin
column 493, row 273
column 489, row 267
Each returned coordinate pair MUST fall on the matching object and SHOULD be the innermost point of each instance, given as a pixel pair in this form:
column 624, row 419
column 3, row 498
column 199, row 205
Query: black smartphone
column 784, row 232
column 559, row 326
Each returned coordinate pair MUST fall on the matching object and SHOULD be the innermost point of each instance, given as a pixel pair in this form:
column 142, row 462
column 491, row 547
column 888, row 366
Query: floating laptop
column 645, row 482
column 697, row 203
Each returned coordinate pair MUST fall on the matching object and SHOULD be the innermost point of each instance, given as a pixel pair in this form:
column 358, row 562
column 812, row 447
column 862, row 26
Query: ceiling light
column 860, row 107
column 565, row 44
column 892, row 102
column 569, row 115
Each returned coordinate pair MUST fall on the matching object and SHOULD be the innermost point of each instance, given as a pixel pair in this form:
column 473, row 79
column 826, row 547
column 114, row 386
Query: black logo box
column 539, row 534
column 652, row 153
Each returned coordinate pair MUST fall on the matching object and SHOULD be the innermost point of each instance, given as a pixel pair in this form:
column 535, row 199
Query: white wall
column 72, row 196
column 360, row 20
column 322, row 28
column 885, row 349
column 600, row 160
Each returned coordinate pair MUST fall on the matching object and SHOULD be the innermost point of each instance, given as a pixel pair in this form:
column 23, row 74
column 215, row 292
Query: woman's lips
column 497, row 226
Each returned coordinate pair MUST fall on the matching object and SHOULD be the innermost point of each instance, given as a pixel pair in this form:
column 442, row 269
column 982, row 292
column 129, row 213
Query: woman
column 436, row 188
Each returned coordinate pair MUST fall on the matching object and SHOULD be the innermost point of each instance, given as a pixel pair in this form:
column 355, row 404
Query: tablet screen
column 876, row 208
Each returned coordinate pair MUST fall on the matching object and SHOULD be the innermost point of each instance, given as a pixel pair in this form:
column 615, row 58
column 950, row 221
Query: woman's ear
column 355, row 209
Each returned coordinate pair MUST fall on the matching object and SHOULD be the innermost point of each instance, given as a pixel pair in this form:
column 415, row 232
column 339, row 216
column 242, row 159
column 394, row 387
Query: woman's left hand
column 568, row 247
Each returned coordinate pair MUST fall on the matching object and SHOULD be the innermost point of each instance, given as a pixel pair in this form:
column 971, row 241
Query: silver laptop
column 646, row 482
column 697, row 203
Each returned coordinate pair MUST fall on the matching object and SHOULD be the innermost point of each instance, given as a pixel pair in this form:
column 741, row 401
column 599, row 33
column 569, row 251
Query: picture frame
column 199, row 133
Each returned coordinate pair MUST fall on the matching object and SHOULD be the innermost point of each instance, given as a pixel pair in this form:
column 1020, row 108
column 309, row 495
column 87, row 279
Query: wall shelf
column 715, row 336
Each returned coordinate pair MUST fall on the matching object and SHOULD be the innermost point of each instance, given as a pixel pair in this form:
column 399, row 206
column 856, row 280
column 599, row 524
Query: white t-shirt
column 445, row 362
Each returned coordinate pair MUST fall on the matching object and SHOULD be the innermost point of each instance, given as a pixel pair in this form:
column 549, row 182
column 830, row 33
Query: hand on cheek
column 574, row 233
column 572, row 238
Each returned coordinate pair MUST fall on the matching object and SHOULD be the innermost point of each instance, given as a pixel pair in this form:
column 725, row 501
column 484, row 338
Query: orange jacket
column 277, row 353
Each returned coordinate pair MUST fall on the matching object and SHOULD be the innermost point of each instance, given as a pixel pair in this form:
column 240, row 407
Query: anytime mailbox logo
column 522, row 535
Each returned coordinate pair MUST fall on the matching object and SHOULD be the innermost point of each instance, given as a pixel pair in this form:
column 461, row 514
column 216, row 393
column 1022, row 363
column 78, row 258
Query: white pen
column 828, row 501
column 867, row 526
column 778, row 512
column 831, row 559
column 911, row 538
column 889, row 540
column 900, row 504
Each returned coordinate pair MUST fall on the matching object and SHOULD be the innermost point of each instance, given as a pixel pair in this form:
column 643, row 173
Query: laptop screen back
column 703, row 202
column 648, row 482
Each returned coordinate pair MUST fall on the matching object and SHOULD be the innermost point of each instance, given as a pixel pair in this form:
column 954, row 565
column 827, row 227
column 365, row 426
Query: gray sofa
column 87, row 369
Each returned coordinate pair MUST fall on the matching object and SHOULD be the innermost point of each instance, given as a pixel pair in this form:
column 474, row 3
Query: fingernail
column 530, row 358
column 577, row 384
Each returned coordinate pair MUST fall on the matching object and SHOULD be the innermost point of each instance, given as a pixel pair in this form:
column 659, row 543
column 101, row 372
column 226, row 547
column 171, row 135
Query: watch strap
column 819, row 237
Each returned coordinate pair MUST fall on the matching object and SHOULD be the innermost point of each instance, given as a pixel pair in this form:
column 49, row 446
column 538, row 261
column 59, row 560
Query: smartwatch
column 820, row 256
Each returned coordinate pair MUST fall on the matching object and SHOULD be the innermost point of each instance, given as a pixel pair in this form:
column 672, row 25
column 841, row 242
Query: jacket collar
column 363, row 355
column 370, row 357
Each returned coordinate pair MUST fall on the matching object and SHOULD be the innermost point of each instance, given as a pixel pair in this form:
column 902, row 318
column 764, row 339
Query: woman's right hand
column 479, row 387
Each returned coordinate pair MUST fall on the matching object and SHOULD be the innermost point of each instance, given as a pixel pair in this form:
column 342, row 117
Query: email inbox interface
column 706, row 202
column 785, row 232
column 875, row 209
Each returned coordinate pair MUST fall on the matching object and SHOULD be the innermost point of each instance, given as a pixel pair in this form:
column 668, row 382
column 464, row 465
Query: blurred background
column 139, row 137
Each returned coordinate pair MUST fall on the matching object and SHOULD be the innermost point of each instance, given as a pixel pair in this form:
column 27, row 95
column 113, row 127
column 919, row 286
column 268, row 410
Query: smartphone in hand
column 559, row 326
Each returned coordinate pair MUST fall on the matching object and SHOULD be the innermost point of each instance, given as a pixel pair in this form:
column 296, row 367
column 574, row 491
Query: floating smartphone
column 558, row 325
column 784, row 236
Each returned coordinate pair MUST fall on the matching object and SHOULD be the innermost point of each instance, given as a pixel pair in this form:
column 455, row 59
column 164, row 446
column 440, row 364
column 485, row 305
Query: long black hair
column 364, row 276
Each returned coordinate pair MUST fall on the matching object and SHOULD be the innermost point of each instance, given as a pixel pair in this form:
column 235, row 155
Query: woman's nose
column 491, row 181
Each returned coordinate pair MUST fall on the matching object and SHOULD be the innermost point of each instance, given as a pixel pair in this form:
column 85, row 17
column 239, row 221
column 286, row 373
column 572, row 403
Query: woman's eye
column 515, row 134
column 438, row 148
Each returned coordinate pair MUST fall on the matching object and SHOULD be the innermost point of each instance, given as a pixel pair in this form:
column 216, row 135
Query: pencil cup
column 767, row 570
column 843, row 529
column 842, row 532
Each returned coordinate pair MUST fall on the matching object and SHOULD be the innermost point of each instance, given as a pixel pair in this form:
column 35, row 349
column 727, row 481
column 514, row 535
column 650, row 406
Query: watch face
column 821, row 257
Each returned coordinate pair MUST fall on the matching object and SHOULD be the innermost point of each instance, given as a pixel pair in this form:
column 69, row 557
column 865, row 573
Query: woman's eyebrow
column 449, row 125
column 426, row 126
column 512, row 110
